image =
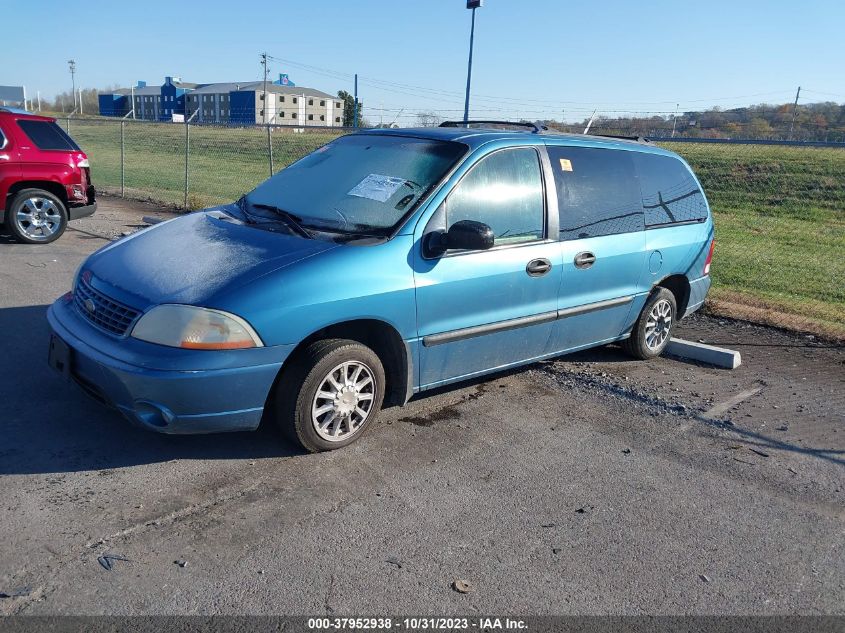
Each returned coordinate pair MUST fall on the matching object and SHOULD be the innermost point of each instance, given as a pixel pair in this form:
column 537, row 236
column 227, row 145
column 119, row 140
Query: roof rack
column 536, row 128
column 638, row 139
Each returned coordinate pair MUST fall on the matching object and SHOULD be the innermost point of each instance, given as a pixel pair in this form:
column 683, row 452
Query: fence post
column 187, row 152
column 122, row 160
column 270, row 148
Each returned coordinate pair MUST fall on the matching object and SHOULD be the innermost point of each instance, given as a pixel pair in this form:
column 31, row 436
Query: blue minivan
column 383, row 264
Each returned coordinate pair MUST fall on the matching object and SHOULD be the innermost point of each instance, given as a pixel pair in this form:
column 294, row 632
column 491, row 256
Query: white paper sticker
column 377, row 187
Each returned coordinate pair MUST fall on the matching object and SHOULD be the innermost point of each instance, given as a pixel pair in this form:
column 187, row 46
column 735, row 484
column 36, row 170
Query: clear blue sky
column 543, row 56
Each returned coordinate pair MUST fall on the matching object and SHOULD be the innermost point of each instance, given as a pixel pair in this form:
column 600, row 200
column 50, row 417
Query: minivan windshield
column 361, row 183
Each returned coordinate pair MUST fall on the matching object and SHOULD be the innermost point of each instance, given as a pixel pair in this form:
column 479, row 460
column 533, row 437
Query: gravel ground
column 591, row 484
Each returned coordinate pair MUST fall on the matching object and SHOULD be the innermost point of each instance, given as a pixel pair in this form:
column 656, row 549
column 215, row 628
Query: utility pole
column 72, row 67
column 355, row 109
column 267, row 105
column 38, row 94
column 794, row 112
column 675, row 119
column 264, row 63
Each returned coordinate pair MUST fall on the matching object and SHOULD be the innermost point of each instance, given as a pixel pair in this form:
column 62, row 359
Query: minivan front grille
column 101, row 311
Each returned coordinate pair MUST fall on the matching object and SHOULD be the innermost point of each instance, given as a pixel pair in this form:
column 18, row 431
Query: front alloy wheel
column 329, row 393
column 343, row 402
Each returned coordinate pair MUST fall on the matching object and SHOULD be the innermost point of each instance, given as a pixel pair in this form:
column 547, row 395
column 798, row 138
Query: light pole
column 471, row 4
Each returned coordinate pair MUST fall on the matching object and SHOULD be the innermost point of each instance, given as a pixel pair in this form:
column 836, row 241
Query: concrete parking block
column 710, row 354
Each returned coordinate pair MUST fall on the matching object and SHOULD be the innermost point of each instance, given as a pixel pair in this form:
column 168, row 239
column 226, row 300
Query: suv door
column 10, row 167
column 481, row 310
column 602, row 244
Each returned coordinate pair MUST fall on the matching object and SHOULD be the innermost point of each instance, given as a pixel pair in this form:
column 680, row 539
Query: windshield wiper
column 290, row 219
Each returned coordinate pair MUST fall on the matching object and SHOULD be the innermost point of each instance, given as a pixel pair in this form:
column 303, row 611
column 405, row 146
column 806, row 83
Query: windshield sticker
column 565, row 164
column 377, row 187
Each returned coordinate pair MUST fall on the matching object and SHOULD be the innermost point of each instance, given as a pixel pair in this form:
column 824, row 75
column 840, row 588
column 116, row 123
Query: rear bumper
column 173, row 401
column 697, row 293
column 74, row 213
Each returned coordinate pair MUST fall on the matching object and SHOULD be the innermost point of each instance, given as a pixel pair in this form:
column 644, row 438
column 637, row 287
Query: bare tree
column 428, row 119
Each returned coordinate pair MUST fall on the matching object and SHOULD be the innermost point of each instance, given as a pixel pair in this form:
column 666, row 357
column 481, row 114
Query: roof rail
column 638, row 139
column 14, row 110
column 536, row 128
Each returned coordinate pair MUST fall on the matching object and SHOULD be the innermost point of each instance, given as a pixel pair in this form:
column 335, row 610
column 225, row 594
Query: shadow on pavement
column 50, row 426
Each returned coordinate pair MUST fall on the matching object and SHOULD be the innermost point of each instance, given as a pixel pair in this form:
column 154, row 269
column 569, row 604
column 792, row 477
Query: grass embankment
column 779, row 210
column 780, row 232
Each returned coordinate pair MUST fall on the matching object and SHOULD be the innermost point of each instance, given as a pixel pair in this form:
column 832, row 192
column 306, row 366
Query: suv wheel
column 653, row 329
column 330, row 394
column 36, row 217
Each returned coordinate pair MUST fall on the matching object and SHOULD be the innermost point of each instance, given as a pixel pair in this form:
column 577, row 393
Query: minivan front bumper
column 223, row 391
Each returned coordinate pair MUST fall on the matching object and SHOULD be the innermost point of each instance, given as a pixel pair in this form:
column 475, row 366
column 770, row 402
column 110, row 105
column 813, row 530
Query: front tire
column 330, row 394
column 36, row 217
column 653, row 329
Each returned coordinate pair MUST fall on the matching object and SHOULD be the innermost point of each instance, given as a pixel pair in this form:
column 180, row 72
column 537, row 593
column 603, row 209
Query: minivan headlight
column 191, row 327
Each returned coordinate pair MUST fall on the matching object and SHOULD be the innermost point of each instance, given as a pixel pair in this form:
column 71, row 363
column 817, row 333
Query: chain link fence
column 779, row 207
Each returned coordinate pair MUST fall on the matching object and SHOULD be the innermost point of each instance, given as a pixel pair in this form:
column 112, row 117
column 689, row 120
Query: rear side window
column 2, row 139
column 597, row 192
column 47, row 135
column 670, row 193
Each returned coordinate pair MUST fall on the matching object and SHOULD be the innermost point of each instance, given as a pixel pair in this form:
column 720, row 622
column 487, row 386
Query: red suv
column 45, row 180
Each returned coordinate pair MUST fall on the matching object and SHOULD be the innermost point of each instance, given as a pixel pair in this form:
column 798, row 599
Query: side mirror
column 468, row 235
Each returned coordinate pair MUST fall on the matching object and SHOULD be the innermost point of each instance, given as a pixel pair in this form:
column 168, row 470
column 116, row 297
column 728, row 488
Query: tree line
column 823, row 121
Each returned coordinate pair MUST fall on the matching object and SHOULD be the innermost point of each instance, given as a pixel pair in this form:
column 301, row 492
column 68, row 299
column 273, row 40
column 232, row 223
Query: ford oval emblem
column 90, row 306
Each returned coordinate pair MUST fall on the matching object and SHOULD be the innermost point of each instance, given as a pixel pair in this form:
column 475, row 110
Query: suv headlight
column 191, row 327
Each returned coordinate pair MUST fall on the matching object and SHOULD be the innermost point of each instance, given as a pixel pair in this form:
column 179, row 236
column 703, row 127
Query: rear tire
column 330, row 394
column 36, row 216
column 653, row 329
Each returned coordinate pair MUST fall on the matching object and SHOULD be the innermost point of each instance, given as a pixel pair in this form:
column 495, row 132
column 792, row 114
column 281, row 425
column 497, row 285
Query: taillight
column 709, row 257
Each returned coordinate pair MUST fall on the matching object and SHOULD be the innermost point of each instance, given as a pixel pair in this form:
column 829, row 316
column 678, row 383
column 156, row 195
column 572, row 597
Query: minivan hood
column 194, row 258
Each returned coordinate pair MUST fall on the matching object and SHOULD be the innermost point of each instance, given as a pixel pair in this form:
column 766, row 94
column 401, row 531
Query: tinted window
column 47, row 135
column 505, row 191
column 597, row 192
column 670, row 193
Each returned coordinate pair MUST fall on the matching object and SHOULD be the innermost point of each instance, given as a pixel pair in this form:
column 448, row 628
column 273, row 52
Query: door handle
column 538, row 267
column 584, row 260
column 4, row 157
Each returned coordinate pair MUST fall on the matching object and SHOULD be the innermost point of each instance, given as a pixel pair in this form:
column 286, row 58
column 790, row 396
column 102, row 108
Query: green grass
column 779, row 210
column 780, row 229
column 223, row 162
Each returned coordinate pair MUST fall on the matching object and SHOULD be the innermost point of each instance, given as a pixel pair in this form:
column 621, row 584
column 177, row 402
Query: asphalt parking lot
column 588, row 485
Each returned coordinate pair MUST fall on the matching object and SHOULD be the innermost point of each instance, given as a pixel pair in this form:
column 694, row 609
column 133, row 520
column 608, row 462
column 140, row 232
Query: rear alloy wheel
column 329, row 394
column 36, row 217
column 653, row 329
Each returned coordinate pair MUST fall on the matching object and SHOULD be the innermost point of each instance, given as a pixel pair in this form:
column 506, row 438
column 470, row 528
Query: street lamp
column 471, row 4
